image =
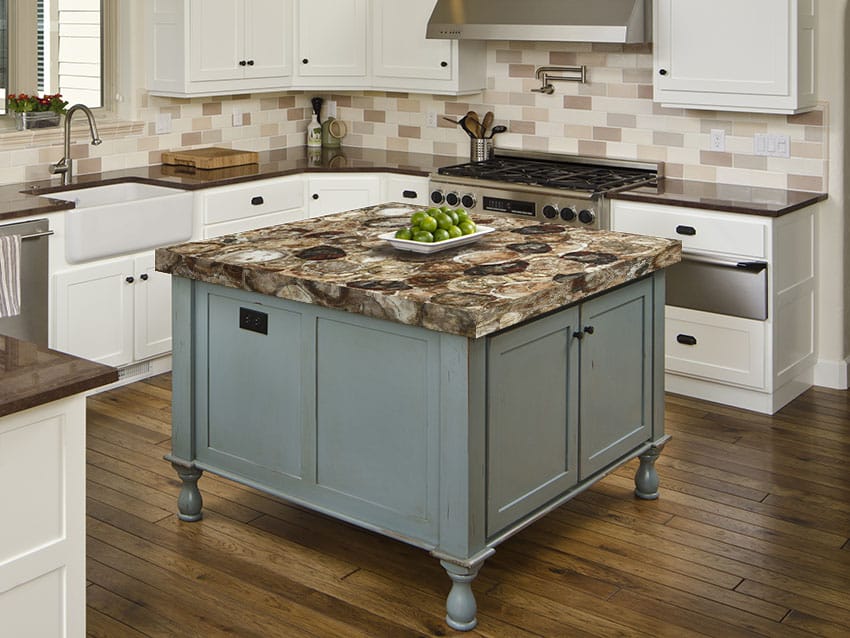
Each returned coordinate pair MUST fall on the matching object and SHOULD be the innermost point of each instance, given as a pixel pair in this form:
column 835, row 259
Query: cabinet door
column 217, row 35
column 331, row 38
column 268, row 38
column 532, row 416
column 406, row 188
column 152, row 309
column 616, row 375
column 330, row 194
column 94, row 312
column 401, row 50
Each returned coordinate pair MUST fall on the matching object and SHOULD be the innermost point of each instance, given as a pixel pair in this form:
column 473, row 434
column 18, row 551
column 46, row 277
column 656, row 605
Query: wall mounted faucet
column 544, row 74
column 65, row 166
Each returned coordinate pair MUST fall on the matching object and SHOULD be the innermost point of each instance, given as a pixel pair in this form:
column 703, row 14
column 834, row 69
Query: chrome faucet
column 65, row 166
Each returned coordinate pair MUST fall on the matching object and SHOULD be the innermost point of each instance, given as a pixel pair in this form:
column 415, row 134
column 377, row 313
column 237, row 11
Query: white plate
column 422, row 247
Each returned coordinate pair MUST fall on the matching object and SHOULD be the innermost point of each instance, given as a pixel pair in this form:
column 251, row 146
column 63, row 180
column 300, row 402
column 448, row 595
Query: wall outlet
column 772, row 145
column 431, row 119
column 718, row 139
column 163, row 123
column 237, row 117
column 330, row 109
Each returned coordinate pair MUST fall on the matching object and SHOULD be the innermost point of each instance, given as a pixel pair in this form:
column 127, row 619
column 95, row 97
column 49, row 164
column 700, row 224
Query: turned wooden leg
column 646, row 477
column 460, row 605
column 189, row 503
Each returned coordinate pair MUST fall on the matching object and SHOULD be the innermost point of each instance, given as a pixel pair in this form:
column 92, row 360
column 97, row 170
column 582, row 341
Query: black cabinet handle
column 305, row 61
column 686, row 230
column 257, row 201
column 444, row 64
column 686, row 340
column 315, row 196
column 242, row 63
column 662, row 72
column 129, row 280
column 409, row 194
column 578, row 334
column 250, row 63
column 143, row 277
column 589, row 329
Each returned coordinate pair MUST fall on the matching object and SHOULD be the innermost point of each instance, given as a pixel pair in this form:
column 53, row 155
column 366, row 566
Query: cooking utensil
column 473, row 125
column 486, row 123
column 499, row 128
column 461, row 123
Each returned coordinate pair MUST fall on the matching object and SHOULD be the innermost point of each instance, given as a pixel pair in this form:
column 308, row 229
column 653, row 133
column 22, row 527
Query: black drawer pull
column 144, row 277
column 686, row 230
column 444, row 64
column 686, row 340
column 315, row 196
column 257, row 201
column 409, row 194
column 242, row 63
column 129, row 280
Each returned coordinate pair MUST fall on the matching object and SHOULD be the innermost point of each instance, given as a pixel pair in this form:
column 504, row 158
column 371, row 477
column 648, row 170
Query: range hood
column 549, row 20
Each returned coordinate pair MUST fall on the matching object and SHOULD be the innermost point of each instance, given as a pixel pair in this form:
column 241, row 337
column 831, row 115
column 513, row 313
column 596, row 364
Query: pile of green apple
column 437, row 224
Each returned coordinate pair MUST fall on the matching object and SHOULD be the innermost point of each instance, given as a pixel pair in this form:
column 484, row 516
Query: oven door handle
column 749, row 266
column 45, row 233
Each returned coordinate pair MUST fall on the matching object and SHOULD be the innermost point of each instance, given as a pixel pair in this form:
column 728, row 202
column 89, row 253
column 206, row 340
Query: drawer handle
column 409, row 194
column 686, row 340
column 257, row 201
column 315, row 196
column 144, row 277
column 686, row 230
column 129, row 280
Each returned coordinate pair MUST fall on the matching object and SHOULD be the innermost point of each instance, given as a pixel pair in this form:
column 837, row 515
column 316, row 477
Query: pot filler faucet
column 65, row 166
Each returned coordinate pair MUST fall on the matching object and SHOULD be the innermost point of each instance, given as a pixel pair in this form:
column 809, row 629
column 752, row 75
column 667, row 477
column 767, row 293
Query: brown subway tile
column 805, row 183
column 812, row 118
column 813, row 134
column 521, row 70
column 504, row 56
column 663, row 138
column 211, row 137
column 715, row 158
column 595, row 149
column 374, row 116
column 608, row 134
column 154, row 157
column 645, row 91
column 581, row 102
column 522, row 127
column 413, row 132
column 293, row 115
column 637, row 76
column 90, row 165
column 622, row 120
column 246, row 119
column 286, row 102
column 409, row 106
column 191, row 139
column 749, row 162
column 563, row 58
column 627, row 91
column 211, row 108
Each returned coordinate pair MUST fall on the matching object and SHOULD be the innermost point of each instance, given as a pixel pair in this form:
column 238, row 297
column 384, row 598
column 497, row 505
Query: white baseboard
column 832, row 374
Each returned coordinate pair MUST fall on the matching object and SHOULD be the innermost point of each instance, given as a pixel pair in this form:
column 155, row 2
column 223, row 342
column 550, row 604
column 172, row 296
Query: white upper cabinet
column 735, row 55
column 403, row 59
column 210, row 47
column 332, row 41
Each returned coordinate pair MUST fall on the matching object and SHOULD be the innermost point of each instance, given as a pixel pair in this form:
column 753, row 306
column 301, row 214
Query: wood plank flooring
column 749, row 538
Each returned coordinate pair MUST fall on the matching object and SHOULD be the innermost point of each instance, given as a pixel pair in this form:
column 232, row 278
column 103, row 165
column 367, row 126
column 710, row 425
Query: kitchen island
column 445, row 400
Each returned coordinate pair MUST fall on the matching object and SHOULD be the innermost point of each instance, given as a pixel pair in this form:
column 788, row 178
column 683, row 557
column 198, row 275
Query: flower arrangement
column 23, row 103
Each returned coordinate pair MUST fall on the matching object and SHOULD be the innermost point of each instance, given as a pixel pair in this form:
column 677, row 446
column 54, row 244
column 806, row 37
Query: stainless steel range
column 565, row 189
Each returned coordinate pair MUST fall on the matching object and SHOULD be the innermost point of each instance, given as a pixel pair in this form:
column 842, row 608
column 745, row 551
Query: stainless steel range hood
column 551, row 20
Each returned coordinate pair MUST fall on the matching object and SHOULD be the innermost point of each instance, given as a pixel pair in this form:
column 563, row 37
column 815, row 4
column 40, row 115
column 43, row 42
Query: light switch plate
column 772, row 145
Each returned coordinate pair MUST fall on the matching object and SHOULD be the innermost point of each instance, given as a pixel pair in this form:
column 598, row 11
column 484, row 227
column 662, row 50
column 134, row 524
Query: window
column 53, row 46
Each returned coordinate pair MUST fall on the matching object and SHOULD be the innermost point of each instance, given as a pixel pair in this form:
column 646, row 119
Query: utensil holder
column 480, row 150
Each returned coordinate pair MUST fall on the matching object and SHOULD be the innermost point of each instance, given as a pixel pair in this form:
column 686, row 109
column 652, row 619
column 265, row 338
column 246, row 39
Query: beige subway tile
column 806, row 183
column 211, row 137
column 191, row 139
column 623, row 90
column 578, row 132
column 88, row 166
column 651, row 153
column 607, row 133
column 637, row 76
column 812, row 118
column 201, row 124
column 506, row 56
column 410, row 106
column 578, row 102
column 596, row 149
column 211, row 108
column 563, row 58
column 662, row 138
column 521, row 70
column 621, row 120
column 814, row 134
column 645, row 91
column 700, row 173
column 748, row 128
column 522, row 127
column 715, row 158
column 803, row 149
column 709, row 124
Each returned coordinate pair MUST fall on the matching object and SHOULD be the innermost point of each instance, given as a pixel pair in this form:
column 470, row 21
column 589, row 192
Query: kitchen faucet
column 65, row 166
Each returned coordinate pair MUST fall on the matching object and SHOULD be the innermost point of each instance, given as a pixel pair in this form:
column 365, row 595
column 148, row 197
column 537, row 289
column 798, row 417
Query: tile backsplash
column 611, row 115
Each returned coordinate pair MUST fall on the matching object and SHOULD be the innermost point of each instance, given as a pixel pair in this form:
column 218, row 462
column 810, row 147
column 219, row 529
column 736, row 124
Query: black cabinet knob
column 305, row 61
column 257, row 201
column 690, row 231
column 662, row 72
column 444, row 64
column 129, row 280
column 409, row 194
column 589, row 329
column 143, row 277
column 315, row 196
column 686, row 340
column 578, row 334
column 242, row 63
column 250, row 63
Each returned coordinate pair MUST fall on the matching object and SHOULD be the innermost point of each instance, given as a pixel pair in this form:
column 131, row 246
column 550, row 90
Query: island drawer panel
column 698, row 230
column 252, row 199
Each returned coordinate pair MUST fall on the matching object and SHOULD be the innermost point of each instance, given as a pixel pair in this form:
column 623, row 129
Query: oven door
column 726, row 286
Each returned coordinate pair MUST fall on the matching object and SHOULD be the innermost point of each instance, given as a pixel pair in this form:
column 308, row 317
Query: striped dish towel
column 10, row 275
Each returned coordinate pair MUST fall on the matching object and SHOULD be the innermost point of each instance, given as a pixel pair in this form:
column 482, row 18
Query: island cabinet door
column 616, row 375
column 532, row 417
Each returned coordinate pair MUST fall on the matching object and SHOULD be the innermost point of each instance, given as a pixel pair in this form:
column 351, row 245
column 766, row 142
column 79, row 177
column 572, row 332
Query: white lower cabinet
column 43, row 530
column 756, row 364
column 336, row 193
column 408, row 189
column 113, row 312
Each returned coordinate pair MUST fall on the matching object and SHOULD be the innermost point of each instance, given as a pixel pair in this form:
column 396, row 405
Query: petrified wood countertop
column 520, row 271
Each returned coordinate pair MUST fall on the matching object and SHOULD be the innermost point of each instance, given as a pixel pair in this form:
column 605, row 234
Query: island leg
column 460, row 605
column 189, row 502
column 646, row 477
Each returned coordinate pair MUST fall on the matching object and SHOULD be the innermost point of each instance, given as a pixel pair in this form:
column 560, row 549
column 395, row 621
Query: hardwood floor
column 749, row 538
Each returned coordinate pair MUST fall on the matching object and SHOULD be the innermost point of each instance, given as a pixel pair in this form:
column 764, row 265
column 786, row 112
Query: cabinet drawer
column 252, row 223
column 726, row 233
column 717, row 347
column 251, row 200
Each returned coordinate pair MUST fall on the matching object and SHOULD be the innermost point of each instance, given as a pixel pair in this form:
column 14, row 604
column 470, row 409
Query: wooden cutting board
column 207, row 158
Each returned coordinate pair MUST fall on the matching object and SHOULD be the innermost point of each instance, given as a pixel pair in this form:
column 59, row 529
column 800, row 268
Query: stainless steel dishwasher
column 31, row 324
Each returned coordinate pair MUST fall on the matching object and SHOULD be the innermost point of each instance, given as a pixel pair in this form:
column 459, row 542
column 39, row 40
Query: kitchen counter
column 518, row 272
column 769, row 202
column 31, row 375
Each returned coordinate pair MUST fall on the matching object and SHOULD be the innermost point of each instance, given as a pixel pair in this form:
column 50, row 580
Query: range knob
column 568, row 214
column 550, row 211
column 437, row 197
column 468, row 200
column 586, row 216
column 452, row 199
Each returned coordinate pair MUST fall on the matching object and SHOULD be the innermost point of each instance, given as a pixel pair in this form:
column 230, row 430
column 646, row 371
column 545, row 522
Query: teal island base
column 446, row 442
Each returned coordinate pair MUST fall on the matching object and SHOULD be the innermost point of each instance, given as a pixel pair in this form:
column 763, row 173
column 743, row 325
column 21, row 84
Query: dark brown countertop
column 32, row 375
column 768, row 202
column 518, row 272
